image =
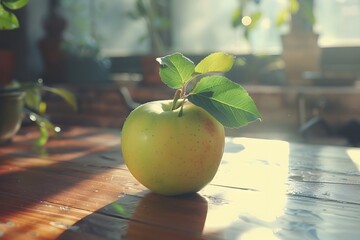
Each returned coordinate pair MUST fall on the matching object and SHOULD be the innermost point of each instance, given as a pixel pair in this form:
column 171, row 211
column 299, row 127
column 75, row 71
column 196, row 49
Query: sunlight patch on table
column 354, row 155
column 259, row 233
column 259, row 171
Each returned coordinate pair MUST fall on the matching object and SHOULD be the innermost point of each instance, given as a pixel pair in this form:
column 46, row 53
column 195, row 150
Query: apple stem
column 182, row 107
column 177, row 96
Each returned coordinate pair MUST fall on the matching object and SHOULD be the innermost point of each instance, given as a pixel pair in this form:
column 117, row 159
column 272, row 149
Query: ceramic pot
column 11, row 112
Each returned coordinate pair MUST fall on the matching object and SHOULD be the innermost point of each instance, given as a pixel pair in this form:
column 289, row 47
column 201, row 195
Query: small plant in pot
column 175, row 146
column 11, row 99
column 17, row 99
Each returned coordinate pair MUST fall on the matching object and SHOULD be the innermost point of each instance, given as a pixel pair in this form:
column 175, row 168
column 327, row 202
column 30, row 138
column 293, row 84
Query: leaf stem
column 197, row 77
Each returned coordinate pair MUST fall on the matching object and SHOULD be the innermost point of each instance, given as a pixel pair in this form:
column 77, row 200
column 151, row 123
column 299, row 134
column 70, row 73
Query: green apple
column 175, row 146
column 172, row 153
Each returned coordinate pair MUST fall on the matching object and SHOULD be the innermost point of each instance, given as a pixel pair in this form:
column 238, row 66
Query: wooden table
column 78, row 188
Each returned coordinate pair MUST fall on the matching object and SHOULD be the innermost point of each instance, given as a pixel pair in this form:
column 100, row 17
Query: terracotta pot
column 11, row 112
column 301, row 53
column 7, row 66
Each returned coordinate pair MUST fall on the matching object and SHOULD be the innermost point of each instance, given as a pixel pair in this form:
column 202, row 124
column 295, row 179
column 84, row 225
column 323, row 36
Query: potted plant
column 11, row 110
column 156, row 24
column 298, row 44
column 18, row 99
column 299, row 14
column 11, row 100
column 258, row 69
column 75, row 58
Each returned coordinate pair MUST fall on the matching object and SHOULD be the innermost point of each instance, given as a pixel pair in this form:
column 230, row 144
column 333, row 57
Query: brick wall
column 98, row 105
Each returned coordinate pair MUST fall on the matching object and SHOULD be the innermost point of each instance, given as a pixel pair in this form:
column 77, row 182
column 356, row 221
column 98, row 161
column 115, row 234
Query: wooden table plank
column 79, row 188
column 26, row 218
column 328, row 173
column 229, row 214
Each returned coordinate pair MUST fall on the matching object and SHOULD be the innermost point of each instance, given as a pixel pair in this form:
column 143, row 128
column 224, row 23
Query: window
column 338, row 22
column 204, row 26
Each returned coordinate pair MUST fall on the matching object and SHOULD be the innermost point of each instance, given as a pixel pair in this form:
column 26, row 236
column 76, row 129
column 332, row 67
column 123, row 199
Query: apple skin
column 172, row 155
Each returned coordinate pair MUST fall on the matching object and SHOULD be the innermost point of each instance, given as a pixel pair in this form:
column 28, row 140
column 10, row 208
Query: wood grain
column 79, row 188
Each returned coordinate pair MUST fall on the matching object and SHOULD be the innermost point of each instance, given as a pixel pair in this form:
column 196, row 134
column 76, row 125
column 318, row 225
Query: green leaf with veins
column 227, row 101
column 176, row 70
column 215, row 63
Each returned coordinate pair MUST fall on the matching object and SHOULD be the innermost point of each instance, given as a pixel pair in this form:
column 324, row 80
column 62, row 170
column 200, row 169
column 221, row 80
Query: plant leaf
column 65, row 94
column 227, row 101
column 294, row 6
column 255, row 17
column 141, row 8
column 236, row 17
column 175, row 70
column 45, row 128
column 43, row 137
column 8, row 20
column 282, row 17
column 33, row 98
column 215, row 62
column 307, row 12
column 15, row 4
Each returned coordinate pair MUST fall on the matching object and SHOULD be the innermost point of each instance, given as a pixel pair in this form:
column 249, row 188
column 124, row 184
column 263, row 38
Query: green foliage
column 216, row 62
column 302, row 8
column 227, row 101
column 35, row 107
column 8, row 20
column 224, row 99
column 156, row 22
column 64, row 94
column 176, row 70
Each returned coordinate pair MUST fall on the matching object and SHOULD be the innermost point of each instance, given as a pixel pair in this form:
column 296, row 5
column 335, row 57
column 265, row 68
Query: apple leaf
column 215, row 62
column 175, row 70
column 227, row 101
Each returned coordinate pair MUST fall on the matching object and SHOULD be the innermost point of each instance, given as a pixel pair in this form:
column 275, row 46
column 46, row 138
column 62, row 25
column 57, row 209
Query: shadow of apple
column 165, row 217
column 152, row 216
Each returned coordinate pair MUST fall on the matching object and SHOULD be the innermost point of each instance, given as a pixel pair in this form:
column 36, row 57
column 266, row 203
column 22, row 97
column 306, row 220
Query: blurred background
column 299, row 60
